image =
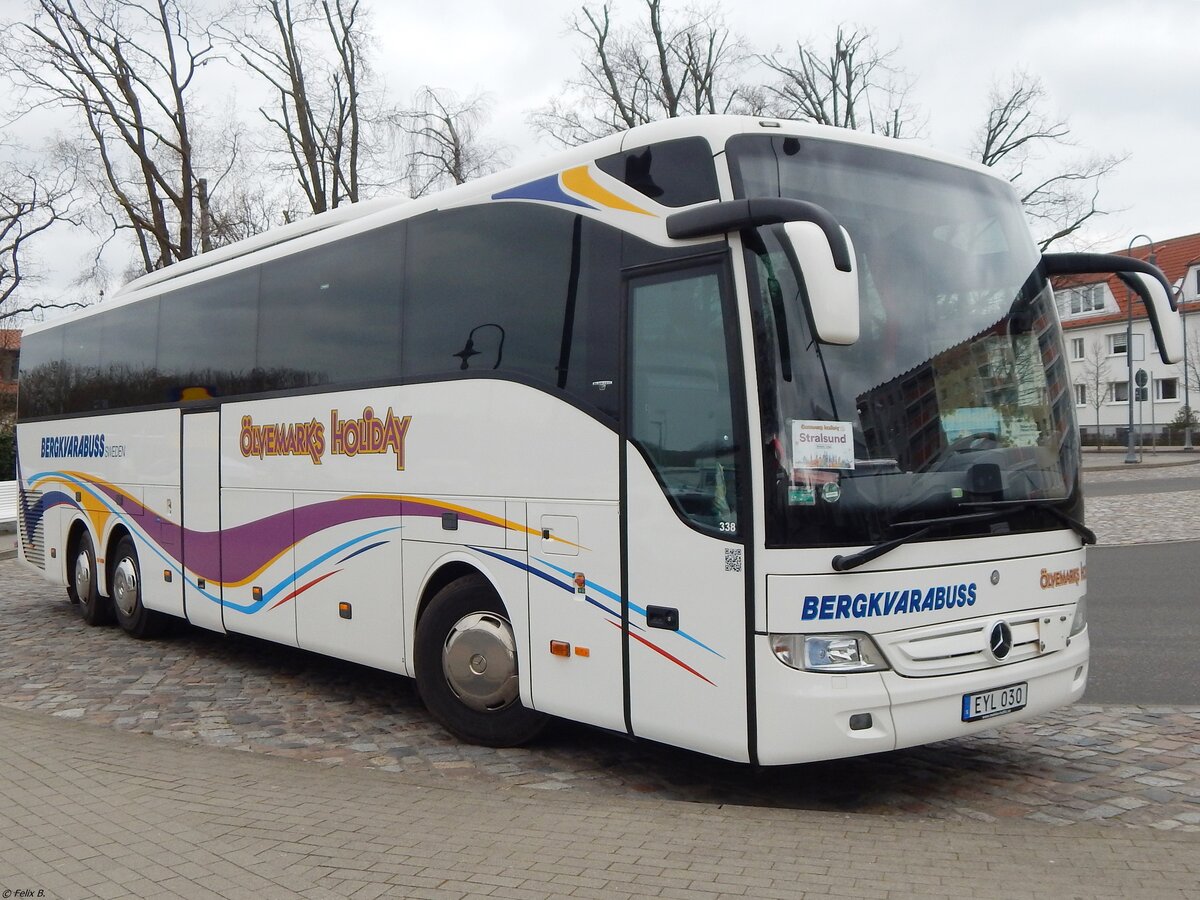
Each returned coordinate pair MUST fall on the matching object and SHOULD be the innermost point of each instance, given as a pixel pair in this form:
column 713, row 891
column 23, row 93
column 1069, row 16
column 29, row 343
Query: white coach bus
column 745, row 436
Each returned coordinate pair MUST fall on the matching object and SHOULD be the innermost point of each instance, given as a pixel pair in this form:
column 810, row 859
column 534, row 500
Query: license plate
column 996, row 702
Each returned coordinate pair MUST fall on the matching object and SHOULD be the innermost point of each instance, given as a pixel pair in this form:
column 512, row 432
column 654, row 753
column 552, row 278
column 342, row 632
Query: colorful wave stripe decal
column 582, row 187
column 614, row 615
column 240, row 554
column 243, row 553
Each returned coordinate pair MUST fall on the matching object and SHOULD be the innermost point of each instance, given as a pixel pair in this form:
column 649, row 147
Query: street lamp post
column 1130, row 453
column 1187, row 403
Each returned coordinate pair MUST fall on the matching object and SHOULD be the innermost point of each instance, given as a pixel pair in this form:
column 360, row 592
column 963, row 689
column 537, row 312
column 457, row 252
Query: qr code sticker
column 733, row 559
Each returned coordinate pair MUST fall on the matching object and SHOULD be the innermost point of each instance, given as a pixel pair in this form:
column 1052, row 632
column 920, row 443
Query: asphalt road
column 1144, row 618
column 1149, row 486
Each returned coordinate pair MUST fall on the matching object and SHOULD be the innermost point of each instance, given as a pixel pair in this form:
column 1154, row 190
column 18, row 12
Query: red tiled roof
column 1175, row 257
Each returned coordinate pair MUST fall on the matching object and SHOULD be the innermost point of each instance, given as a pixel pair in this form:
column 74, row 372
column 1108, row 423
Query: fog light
column 828, row 652
column 860, row 722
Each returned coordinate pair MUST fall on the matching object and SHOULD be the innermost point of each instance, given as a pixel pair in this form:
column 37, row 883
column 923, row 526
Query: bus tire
column 83, row 585
column 126, row 592
column 466, row 667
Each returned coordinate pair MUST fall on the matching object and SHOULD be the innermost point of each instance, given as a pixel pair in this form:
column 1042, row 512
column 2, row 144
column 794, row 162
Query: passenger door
column 684, row 469
column 200, row 473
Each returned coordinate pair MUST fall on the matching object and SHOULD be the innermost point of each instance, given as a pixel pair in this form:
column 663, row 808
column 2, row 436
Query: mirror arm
column 1098, row 263
column 738, row 215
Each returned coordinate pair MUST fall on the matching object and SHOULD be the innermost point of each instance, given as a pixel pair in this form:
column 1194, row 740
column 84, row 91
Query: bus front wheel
column 466, row 667
column 126, row 593
column 83, row 585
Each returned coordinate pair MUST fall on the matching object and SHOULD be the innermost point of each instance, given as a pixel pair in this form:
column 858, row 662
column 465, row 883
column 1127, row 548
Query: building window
column 1081, row 395
column 1166, row 389
column 1118, row 391
column 1076, row 348
column 1086, row 299
column 1117, row 343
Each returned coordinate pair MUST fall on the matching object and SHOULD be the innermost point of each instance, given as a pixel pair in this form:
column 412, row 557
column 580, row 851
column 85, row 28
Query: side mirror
column 1156, row 297
column 1145, row 280
column 818, row 249
column 831, row 293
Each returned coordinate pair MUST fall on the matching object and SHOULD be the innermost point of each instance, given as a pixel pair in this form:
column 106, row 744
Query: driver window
column 681, row 412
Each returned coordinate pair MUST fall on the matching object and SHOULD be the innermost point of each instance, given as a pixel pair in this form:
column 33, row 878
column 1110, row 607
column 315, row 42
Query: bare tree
column 311, row 53
column 852, row 85
column 127, row 68
column 443, row 141
column 30, row 204
column 1020, row 139
column 1095, row 382
column 629, row 77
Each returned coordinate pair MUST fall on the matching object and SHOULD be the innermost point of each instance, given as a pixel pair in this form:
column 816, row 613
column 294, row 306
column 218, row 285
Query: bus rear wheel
column 126, row 593
column 466, row 667
column 83, row 585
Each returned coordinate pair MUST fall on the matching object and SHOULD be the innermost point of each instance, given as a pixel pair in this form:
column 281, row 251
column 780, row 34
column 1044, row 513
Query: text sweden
column 80, row 446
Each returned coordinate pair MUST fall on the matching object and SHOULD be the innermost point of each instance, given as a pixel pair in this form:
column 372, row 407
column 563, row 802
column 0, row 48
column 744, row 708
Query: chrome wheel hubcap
column 125, row 587
column 83, row 577
column 479, row 660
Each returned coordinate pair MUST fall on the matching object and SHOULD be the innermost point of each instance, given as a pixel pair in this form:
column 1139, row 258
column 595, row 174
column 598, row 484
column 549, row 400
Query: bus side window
column 331, row 315
column 514, row 290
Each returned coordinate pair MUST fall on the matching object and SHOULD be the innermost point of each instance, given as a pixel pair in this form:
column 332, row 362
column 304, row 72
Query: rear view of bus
column 750, row 437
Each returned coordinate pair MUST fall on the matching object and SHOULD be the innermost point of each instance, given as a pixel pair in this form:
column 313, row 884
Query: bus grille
column 954, row 647
column 33, row 539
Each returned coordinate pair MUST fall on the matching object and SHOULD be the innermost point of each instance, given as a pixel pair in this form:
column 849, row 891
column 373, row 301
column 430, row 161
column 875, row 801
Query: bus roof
column 370, row 214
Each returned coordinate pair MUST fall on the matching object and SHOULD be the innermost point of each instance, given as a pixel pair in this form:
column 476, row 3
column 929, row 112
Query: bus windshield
column 956, row 398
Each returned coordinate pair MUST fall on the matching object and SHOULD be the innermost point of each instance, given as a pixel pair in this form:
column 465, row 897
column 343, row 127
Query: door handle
column 662, row 617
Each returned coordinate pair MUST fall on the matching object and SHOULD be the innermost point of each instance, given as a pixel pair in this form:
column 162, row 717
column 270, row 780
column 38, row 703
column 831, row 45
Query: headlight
column 1080, row 621
column 828, row 652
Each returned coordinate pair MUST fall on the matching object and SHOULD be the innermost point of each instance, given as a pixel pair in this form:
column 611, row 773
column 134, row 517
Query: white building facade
column 1096, row 325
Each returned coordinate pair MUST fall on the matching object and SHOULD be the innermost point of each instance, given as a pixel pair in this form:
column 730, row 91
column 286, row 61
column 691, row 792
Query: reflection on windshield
column 956, row 396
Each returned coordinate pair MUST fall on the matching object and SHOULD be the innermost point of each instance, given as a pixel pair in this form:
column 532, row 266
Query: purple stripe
column 238, row 552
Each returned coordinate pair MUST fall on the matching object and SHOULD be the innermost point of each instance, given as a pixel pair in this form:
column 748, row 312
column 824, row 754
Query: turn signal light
column 560, row 648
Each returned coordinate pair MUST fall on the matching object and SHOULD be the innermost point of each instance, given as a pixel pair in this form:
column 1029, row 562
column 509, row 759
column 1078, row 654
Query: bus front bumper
column 806, row 716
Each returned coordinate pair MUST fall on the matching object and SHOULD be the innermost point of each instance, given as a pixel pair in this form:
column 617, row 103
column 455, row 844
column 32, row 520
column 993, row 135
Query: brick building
column 10, row 351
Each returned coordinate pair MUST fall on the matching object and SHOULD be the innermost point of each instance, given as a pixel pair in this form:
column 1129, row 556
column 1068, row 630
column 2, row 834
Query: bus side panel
column 576, row 539
column 156, row 539
column 113, row 472
column 258, row 564
column 687, row 686
column 201, row 510
column 347, row 593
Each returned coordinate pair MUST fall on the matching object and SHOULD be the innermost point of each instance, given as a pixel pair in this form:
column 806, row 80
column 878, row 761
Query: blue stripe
column 569, row 588
column 363, row 550
column 268, row 596
column 639, row 610
column 546, row 188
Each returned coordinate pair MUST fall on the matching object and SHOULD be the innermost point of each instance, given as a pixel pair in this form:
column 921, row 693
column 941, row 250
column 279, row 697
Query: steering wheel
column 967, row 443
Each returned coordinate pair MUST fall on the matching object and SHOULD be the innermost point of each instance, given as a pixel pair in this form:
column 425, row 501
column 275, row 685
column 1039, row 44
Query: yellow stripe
column 479, row 514
column 582, row 183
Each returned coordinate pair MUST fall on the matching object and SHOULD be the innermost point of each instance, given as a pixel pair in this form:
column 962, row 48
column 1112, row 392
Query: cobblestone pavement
column 87, row 811
column 1157, row 516
column 1135, row 766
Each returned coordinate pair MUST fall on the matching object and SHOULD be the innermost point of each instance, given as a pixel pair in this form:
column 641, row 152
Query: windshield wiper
column 1009, row 506
column 842, row 563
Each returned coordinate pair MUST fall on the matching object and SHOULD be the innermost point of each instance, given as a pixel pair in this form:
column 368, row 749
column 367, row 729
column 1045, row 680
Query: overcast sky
column 1125, row 74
